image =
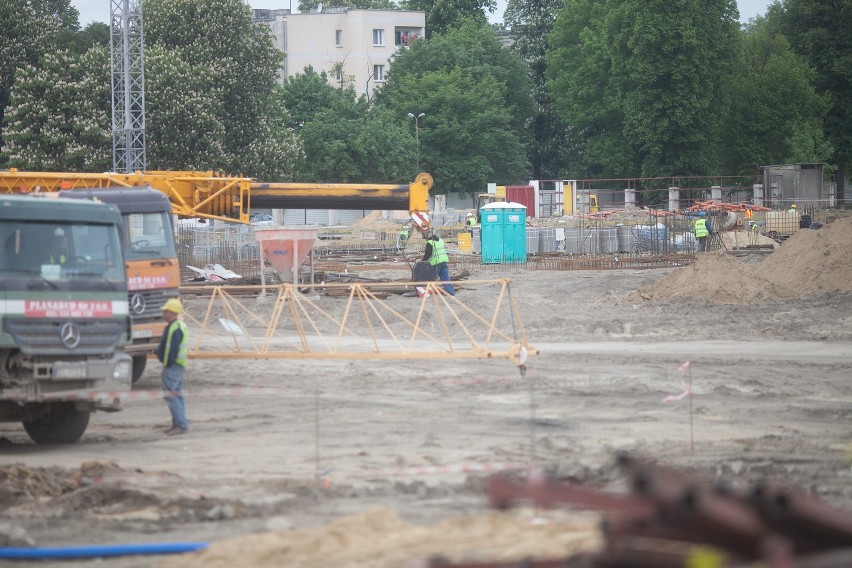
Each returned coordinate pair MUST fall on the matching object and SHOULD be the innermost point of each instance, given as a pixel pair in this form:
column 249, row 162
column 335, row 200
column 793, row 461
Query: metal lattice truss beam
column 127, row 70
column 354, row 323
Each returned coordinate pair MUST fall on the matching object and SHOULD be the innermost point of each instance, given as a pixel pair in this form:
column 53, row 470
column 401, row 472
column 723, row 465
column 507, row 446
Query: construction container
column 465, row 241
column 581, row 240
column 547, row 239
column 504, row 236
column 608, row 239
column 532, row 240
column 781, row 223
column 523, row 194
column 286, row 248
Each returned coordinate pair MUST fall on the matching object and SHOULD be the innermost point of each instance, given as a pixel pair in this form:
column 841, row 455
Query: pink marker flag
column 682, row 368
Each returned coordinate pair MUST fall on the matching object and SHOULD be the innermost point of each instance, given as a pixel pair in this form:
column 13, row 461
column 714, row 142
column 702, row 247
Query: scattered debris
column 213, row 273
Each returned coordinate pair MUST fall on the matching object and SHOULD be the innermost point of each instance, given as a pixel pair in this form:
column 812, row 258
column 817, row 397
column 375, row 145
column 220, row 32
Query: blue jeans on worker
column 444, row 275
column 173, row 383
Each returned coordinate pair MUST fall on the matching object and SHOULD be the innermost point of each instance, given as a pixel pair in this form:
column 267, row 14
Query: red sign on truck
column 67, row 309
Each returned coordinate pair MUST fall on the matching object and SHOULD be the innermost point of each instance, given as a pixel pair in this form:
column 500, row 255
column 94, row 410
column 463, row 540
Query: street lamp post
column 417, row 134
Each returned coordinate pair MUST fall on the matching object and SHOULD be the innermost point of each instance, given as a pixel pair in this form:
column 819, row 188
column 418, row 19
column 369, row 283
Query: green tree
column 344, row 138
column 774, row 115
column 96, row 33
column 819, row 31
column 58, row 119
column 531, row 22
column 216, row 39
column 476, row 100
column 579, row 71
column 309, row 94
column 443, row 15
column 669, row 59
column 29, row 30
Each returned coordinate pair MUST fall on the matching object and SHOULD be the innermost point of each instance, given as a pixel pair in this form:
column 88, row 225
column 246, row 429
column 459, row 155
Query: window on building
column 378, row 37
column 338, row 38
column 379, row 72
column 404, row 36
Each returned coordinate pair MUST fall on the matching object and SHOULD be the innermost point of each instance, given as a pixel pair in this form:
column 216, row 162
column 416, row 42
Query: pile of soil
column 810, row 262
column 813, row 261
column 380, row 539
column 715, row 277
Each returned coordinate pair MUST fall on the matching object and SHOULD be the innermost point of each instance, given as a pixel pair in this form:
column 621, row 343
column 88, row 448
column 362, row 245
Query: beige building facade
column 352, row 46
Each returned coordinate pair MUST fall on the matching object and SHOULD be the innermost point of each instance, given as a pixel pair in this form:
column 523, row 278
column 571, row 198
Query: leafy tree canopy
column 475, row 96
column 668, row 62
column 217, row 52
column 28, row 31
column 775, row 115
column 58, row 119
column 580, row 82
column 819, row 31
column 443, row 15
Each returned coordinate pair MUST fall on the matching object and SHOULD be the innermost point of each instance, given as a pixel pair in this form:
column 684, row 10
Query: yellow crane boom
column 215, row 196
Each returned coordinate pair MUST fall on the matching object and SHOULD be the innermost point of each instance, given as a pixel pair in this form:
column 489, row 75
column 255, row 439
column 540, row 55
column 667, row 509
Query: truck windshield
column 63, row 256
column 149, row 235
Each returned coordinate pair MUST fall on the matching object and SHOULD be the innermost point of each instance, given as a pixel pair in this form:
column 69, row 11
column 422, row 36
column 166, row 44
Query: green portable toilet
column 504, row 233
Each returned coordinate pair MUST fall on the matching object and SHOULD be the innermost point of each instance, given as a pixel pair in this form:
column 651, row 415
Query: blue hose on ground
column 101, row 551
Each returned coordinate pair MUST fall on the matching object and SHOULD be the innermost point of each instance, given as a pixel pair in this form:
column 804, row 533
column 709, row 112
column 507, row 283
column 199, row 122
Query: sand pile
column 715, row 277
column 380, row 539
column 813, row 261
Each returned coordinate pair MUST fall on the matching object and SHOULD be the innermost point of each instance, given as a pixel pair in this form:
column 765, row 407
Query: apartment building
column 353, row 46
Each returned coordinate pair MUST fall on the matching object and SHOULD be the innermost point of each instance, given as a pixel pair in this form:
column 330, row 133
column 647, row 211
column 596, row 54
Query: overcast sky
column 98, row 10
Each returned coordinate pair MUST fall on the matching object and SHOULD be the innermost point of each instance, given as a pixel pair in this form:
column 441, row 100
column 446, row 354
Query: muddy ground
column 772, row 400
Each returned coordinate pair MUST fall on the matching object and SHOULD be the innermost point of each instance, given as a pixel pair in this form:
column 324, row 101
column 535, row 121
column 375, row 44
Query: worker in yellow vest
column 173, row 354
column 436, row 254
column 58, row 253
column 702, row 230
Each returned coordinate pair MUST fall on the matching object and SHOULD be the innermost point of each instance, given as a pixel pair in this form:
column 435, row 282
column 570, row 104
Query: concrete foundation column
column 716, row 193
column 630, row 198
column 584, row 207
column 440, row 204
column 674, row 198
column 278, row 217
column 758, row 194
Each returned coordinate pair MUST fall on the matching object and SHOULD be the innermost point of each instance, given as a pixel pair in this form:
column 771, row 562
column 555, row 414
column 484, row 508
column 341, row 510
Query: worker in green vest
column 58, row 253
column 172, row 353
column 436, row 254
column 702, row 230
column 403, row 236
column 471, row 219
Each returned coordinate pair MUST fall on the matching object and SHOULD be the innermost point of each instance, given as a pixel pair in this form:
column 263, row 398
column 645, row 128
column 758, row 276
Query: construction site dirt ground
column 322, row 471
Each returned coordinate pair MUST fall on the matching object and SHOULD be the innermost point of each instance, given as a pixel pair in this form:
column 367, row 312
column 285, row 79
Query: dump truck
column 64, row 318
column 153, row 273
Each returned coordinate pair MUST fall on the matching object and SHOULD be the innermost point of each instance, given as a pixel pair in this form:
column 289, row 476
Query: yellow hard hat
column 173, row 305
column 793, row 206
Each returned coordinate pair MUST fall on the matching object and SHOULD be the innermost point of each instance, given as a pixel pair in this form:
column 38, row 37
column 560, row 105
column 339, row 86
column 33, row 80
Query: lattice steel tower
column 127, row 69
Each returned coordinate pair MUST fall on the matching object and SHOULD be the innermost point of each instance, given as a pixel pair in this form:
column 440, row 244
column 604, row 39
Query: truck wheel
column 60, row 423
column 139, row 362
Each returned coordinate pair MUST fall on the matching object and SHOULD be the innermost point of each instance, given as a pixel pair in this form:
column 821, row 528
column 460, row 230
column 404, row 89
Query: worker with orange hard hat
column 173, row 354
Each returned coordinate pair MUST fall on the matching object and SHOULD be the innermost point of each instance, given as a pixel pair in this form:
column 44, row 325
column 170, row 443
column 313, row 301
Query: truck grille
column 147, row 305
column 43, row 336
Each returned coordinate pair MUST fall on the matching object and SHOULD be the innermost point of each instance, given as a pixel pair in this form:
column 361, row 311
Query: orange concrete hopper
column 286, row 248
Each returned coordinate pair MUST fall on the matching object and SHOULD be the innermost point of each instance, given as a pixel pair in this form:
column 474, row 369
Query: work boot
column 175, row 431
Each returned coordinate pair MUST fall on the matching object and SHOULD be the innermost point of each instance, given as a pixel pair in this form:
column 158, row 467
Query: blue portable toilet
column 504, row 233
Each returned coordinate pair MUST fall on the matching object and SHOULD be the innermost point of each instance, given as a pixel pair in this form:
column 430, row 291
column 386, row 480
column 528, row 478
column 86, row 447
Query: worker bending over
column 436, row 254
column 702, row 230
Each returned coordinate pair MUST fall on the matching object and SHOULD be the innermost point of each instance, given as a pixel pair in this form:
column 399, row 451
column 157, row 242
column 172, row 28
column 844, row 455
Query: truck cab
column 63, row 315
column 153, row 273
